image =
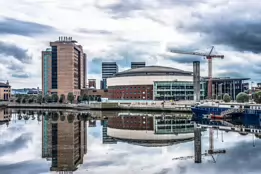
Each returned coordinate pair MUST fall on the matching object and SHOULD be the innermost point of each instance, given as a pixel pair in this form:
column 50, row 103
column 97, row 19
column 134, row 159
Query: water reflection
column 5, row 117
column 63, row 142
column 145, row 130
column 123, row 143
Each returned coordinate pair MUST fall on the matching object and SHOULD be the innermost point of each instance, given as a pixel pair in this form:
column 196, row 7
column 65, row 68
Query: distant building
column 227, row 85
column 94, row 93
column 152, row 83
column 92, row 83
column 29, row 91
column 137, row 65
column 108, row 70
column 5, row 91
column 63, row 67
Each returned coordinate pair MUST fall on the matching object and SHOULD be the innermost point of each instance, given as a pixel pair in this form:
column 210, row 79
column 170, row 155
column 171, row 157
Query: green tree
column 257, row 97
column 85, row 97
column 39, row 98
column 55, row 98
column 99, row 99
column 62, row 98
column 79, row 99
column 91, row 98
column 31, row 99
column 19, row 98
column 242, row 97
column 23, row 100
column 219, row 97
column 70, row 97
column 226, row 98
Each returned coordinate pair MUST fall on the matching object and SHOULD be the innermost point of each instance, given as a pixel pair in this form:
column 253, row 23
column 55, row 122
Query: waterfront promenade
column 157, row 107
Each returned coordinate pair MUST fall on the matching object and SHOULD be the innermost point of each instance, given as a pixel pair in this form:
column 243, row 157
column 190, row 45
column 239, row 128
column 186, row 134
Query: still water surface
column 46, row 141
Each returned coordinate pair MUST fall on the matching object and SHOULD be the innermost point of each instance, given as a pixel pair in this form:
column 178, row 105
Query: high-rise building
column 64, row 142
column 63, row 67
column 137, row 65
column 108, row 70
column 92, row 83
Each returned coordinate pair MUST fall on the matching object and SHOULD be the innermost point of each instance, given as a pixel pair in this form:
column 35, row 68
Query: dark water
column 46, row 141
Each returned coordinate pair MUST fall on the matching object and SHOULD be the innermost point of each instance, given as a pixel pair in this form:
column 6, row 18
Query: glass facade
column 176, row 90
column 46, row 73
column 172, row 125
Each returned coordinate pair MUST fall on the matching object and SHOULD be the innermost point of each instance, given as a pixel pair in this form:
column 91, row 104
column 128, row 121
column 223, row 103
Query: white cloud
column 147, row 25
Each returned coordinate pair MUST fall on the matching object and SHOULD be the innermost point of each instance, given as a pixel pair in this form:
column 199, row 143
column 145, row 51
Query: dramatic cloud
column 8, row 49
column 230, row 27
column 18, row 27
column 15, row 145
column 129, row 30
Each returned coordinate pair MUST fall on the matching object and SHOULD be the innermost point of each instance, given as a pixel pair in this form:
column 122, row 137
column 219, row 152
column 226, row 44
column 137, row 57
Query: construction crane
column 210, row 151
column 209, row 56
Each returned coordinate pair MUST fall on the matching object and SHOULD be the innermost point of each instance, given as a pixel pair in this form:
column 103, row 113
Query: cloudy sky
column 20, row 153
column 131, row 30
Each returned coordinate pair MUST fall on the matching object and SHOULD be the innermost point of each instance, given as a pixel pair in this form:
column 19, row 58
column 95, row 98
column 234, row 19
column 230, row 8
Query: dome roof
column 152, row 70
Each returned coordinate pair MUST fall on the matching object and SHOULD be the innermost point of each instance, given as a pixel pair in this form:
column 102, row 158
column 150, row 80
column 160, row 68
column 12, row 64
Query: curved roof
column 152, row 70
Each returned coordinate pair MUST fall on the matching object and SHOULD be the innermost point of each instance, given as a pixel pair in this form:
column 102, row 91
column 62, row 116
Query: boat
column 204, row 109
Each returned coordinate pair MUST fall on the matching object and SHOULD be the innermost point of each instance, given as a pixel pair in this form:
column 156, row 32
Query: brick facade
column 131, row 92
column 131, row 122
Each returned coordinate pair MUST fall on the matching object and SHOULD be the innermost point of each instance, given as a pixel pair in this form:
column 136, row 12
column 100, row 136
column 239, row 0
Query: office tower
column 137, row 65
column 92, row 83
column 63, row 67
column 64, row 142
column 108, row 70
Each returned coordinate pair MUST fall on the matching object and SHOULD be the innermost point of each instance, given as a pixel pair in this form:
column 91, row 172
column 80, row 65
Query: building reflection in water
column 148, row 130
column 5, row 117
column 64, row 140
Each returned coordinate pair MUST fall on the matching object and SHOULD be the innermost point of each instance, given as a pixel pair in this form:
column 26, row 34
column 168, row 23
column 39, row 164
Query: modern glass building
column 108, row 70
column 176, row 90
column 46, row 66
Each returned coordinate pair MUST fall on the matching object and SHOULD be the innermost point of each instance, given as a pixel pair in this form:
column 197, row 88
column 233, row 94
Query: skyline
column 114, row 30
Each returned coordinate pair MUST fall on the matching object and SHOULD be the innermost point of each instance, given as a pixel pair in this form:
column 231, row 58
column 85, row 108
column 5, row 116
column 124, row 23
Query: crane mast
column 209, row 56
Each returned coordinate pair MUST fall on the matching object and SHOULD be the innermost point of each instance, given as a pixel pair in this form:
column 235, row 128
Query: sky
column 21, row 152
column 131, row 30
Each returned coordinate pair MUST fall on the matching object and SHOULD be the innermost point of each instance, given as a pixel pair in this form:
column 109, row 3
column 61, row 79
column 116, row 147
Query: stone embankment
column 108, row 106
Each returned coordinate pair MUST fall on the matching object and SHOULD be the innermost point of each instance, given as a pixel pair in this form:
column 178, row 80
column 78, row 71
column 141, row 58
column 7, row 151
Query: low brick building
column 95, row 92
column 5, row 91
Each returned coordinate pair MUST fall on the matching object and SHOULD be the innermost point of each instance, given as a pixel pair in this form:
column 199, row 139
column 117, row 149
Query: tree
column 23, row 100
column 91, row 97
column 31, row 99
column 242, row 97
column 85, row 97
column 70, row 97
column 46, row 98
column 79, row 99
column 19, row 98
column 219, row 97
column 39, row 98
column 226, row 98
column 62, row 97
column 257, row 97
column 55, row 98
column 99, row 99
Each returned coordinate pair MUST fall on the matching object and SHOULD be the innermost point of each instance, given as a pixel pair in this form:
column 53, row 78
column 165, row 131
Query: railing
column 230, row 111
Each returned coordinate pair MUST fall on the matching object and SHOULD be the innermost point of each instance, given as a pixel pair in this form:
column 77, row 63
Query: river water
column 45, row 141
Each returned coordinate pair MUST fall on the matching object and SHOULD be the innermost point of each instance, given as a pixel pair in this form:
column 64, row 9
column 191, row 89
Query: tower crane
column 209, row 56
column 210, row 151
